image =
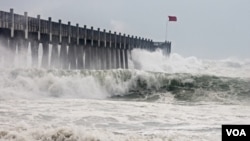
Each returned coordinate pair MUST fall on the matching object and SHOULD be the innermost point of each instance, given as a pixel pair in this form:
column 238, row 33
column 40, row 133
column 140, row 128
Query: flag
column 172, row 18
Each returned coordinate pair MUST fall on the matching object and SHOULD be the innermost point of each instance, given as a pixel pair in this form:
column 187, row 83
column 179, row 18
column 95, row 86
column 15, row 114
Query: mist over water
column 159, row 98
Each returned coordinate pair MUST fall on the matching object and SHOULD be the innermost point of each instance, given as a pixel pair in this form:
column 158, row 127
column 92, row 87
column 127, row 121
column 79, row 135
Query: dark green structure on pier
column 73, row 47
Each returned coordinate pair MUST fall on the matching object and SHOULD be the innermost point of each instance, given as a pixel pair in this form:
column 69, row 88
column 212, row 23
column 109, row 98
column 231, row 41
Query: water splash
column 157, row 62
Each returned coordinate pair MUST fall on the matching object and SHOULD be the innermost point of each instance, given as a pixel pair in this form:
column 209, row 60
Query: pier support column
column 87, row 57
column 3, row 42
column 34, row 52
column 108, row 53
column 92, row 59
column 45, row 57
column 79, row 52
column 126, row 58
column 91, row 55
column 72, row 56
column 117, row 59
column 121, row 59
column 64, row 56
column 103, row 58
column 113, row 58
column 96, row 55
column 22, row 47
column 83, row 56
column 4, row 48
column 97, row 58
column 12, row 52
column 100, row 58
column 54, row 56
column 169, row 48
column 130, row 54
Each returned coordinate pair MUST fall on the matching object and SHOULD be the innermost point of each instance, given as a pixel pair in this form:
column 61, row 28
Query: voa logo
column 236, row 132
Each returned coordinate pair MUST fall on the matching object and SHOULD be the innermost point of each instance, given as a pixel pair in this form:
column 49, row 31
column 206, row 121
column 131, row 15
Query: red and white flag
column 172, row 18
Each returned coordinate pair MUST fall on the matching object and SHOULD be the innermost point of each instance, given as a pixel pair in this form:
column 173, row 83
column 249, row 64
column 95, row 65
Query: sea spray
column 175, row 63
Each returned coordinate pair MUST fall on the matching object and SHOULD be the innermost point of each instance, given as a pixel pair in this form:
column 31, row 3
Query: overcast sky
column 213, row 29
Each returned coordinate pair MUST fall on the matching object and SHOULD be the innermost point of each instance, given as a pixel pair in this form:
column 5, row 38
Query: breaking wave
column 119, row 84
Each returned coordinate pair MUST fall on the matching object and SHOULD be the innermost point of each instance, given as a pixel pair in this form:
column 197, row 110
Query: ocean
column 159, row 98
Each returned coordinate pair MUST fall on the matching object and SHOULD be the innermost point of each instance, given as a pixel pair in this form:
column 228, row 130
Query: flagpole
column 170, row 19
column 166, row 34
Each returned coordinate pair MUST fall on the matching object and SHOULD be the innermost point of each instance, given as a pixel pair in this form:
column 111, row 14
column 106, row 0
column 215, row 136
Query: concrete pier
column 66, row 46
